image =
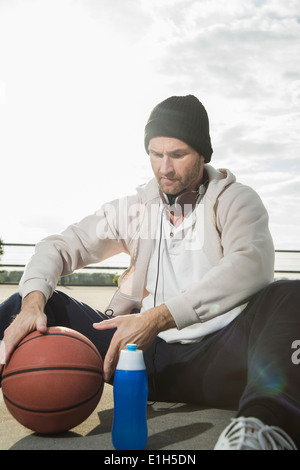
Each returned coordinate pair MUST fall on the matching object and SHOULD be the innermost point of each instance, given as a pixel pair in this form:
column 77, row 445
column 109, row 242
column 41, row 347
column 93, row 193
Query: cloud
column 246, row 50
column 126, row 18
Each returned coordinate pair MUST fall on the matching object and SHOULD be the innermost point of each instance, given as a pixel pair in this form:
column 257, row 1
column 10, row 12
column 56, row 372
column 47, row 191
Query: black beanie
column 184, row 118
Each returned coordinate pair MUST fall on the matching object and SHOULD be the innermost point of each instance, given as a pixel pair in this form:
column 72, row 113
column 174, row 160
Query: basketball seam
column 58, row 410
column 92, row 347
column 37, row 369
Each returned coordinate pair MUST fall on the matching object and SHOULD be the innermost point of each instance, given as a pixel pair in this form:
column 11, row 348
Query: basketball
column 53, row 381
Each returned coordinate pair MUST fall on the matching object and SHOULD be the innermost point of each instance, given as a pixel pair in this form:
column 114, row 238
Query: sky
column 79, row 78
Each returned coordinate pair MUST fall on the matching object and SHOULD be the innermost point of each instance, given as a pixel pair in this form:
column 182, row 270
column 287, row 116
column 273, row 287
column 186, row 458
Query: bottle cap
column 131, row 358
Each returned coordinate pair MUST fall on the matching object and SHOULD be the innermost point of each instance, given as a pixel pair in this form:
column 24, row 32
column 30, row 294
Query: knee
column 293, row 288
column 286, row 287
column 8, row 309
column 12, row 302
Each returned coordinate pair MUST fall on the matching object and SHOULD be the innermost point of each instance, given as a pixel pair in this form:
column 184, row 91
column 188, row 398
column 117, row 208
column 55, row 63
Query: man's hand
column 30, row 318
column 138, row 328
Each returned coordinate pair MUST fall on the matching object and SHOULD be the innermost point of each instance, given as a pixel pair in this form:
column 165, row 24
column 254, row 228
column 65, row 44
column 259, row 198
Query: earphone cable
column 158, row 257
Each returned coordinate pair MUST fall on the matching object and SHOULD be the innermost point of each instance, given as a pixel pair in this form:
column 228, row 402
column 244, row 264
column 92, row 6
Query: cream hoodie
column 237, row 243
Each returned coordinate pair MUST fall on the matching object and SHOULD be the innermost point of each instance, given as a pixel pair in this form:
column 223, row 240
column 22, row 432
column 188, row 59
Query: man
column 214, row 328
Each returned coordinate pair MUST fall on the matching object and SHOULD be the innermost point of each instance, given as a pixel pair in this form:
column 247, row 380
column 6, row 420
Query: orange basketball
column 53, row 381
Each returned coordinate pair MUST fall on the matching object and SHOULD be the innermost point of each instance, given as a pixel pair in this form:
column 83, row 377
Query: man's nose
column 166, row 167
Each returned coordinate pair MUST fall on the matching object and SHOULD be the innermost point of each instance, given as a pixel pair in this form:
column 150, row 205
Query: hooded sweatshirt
column 235, row 238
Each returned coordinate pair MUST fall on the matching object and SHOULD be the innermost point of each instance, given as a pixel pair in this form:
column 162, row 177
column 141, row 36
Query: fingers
column 116, row 344
column 113, row 352
column 111, row 359
column 106, row 324
column 41, row 324
column 23, row 324
column 9, row 343
column 6, row 352
column 2, row 353
column 109, row 367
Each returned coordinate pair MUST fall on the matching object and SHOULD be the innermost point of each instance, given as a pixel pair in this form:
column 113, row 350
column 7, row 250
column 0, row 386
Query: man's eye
column 178, row 155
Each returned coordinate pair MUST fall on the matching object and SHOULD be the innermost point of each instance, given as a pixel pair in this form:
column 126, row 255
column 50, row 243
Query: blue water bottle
column 129, row 431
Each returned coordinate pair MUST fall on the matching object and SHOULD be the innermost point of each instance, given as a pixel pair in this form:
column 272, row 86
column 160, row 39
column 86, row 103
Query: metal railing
column 287, row 262
column 98, row 266
column 294, row 255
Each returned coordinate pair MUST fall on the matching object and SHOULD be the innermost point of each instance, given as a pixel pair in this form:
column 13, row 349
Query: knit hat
column 184, row 118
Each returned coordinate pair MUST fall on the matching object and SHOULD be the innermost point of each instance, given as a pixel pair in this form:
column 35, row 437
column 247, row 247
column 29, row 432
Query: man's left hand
column 138, row 328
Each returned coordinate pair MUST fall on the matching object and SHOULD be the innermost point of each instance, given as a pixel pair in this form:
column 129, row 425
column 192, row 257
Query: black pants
column 248, row 364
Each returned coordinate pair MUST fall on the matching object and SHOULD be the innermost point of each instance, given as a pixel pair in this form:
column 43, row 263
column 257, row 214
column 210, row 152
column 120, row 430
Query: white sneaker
column 252, row 434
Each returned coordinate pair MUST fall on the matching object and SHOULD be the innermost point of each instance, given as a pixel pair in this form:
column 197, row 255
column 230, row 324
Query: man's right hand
column 30, row 318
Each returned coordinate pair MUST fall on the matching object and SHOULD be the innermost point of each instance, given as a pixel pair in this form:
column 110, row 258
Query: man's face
column 175, row 164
